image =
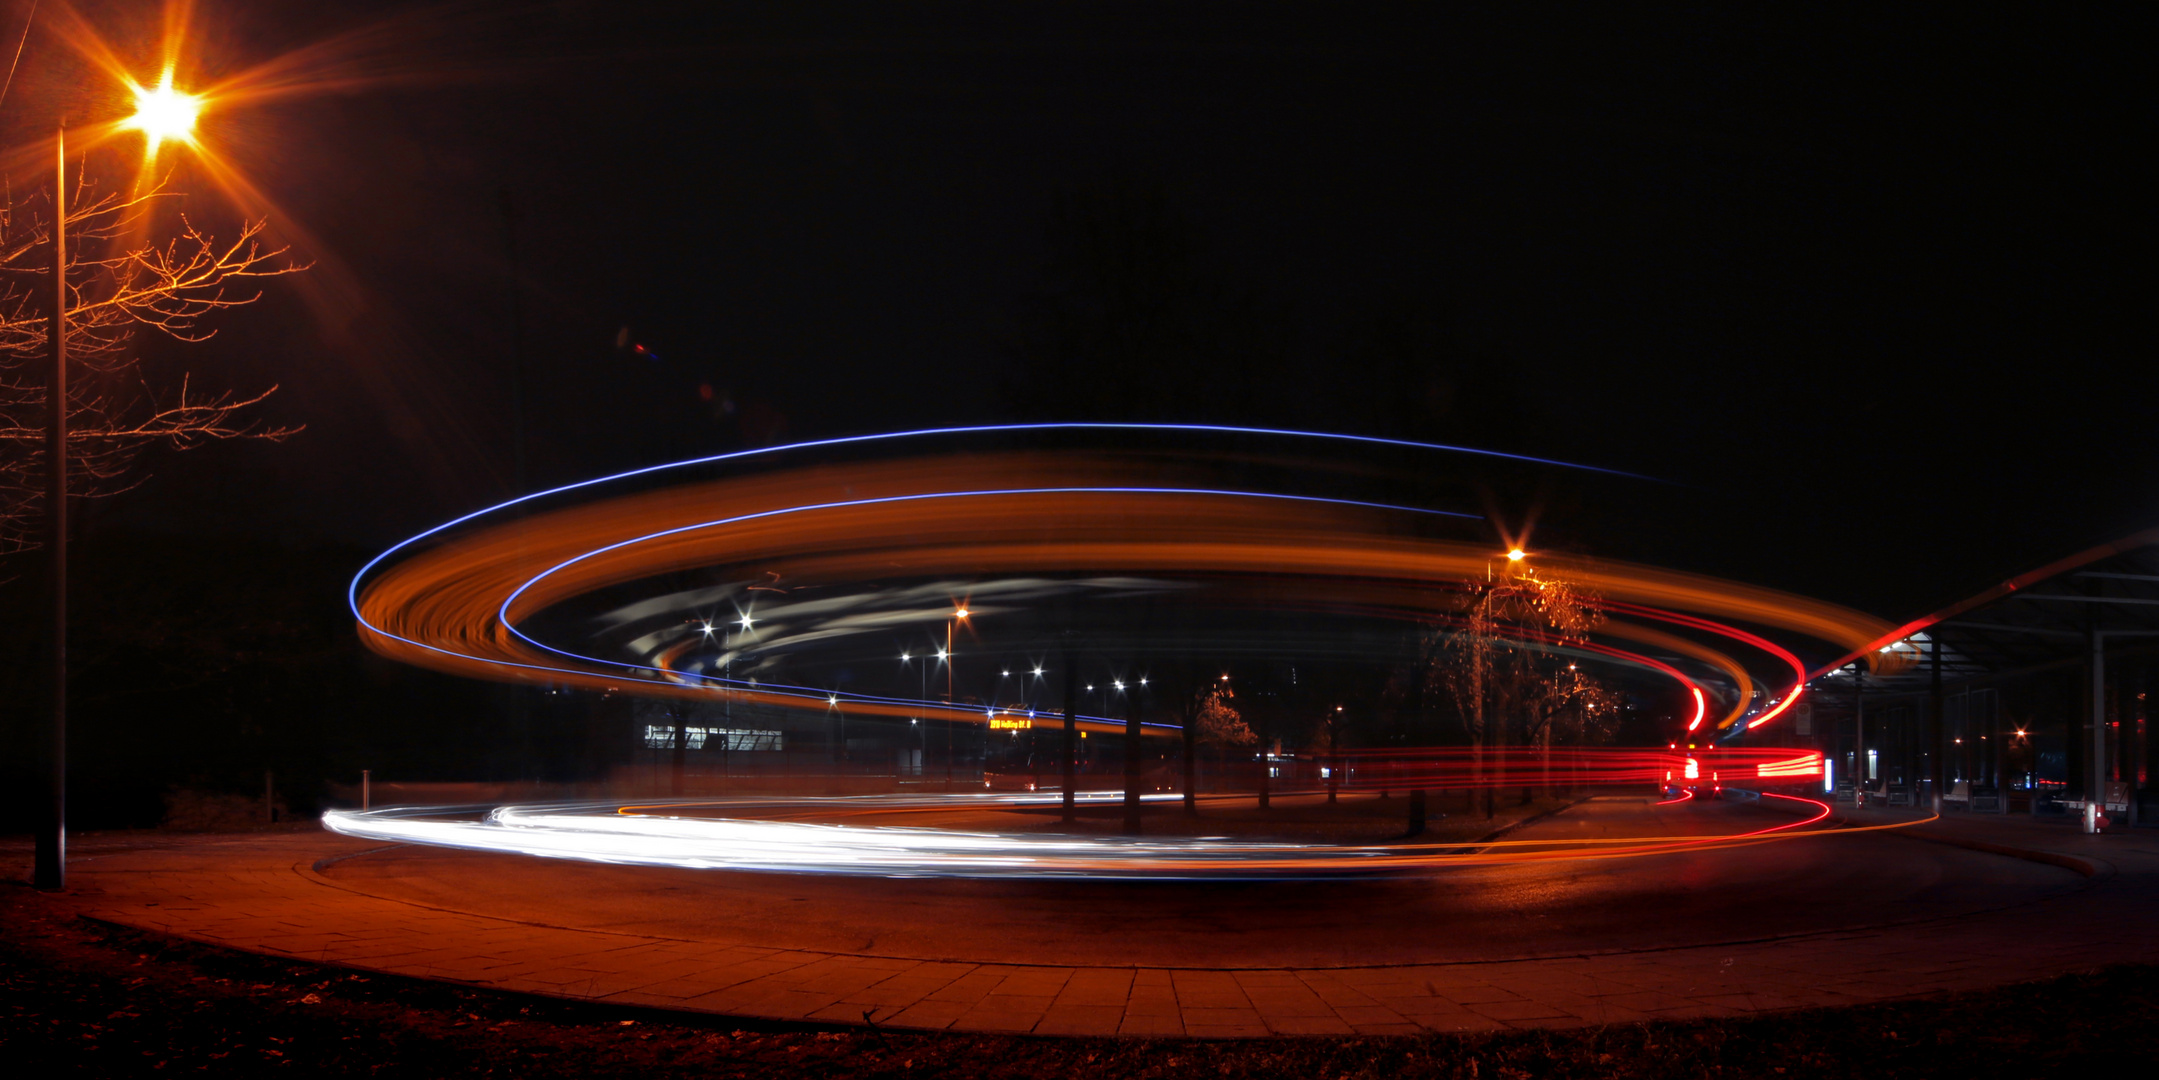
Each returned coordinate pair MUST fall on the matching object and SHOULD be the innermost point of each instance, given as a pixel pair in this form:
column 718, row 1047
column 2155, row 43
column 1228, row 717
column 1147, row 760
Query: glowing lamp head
column 960, row 614
column 164, row 114
column 1516, row 555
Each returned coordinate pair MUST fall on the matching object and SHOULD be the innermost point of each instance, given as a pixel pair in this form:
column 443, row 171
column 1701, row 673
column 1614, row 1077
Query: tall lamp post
column 945, row 658
column 921, row 737
column 161, row 114
column 1068, row 766
column 1131, row 758
column 51, row 871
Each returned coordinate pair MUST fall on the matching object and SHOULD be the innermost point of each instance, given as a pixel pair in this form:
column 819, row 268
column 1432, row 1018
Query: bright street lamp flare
column 164, row 114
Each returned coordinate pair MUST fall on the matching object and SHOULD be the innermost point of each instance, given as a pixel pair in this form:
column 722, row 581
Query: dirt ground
column 83, row 999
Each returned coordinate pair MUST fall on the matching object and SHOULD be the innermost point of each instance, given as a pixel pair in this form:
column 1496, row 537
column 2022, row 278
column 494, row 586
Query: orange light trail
column 442, row 607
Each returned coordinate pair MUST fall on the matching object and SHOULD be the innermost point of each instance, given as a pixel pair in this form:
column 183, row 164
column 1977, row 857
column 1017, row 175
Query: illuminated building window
column 658, row 737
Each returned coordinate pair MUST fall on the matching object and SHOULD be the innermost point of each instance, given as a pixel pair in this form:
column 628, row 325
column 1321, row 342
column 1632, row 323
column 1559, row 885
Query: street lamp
column 958, row 614
column 161, row 114
column 916, row 721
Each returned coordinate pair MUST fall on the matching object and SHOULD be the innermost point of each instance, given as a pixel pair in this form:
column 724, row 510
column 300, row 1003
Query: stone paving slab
column 262, row 895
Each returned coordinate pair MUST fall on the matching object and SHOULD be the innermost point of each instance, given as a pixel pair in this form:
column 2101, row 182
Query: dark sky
column 1864, row 287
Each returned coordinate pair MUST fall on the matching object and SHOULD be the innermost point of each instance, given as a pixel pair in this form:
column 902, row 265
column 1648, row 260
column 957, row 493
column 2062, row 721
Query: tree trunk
column 1545, row 757
column 1334, row 766
column 1191, row 760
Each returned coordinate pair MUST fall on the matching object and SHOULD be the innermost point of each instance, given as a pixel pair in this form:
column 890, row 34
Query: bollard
column 364, row 785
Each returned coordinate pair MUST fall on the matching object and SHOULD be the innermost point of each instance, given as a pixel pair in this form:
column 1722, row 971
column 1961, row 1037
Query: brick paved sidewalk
column 261, row 894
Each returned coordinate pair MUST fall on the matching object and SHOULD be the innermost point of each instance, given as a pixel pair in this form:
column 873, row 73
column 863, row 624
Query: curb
column 1531, row 820
column 2085, row 867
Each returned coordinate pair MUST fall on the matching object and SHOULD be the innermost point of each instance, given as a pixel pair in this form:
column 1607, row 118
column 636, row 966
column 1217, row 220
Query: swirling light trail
column 657, row 835
column 352, row 590
column 434, row 608
column 462, row 602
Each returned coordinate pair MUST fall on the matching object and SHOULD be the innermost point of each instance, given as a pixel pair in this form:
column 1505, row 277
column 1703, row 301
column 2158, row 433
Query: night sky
column 1864, row 289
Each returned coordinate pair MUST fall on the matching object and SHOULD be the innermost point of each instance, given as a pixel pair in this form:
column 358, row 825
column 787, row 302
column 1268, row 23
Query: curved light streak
column 1021, row 528
column 352, row 589
column 1799, row 670
column 462, row 601
column 647, row 835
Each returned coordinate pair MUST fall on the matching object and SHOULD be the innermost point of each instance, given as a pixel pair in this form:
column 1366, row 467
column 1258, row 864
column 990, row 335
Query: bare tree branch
column 113, row 417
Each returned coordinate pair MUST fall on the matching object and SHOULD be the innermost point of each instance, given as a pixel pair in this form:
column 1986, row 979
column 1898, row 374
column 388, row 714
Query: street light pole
column 1131, row 760
column 948, row 704
column 51, row 870
column 1067, row 760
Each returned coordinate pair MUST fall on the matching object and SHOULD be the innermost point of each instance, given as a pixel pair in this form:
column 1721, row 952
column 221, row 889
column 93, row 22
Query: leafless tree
column 119, row 281
column 1498, row 665
column 1571, row 706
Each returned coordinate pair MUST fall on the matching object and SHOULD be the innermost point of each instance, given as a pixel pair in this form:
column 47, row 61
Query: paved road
column 1492, row 947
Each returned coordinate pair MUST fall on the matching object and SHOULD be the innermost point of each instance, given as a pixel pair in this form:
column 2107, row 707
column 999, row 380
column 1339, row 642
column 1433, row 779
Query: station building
column 2032, row 697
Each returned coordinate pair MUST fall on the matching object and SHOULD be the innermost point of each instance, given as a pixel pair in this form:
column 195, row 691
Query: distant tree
column 118, row 282
column 1214, row 722
column 1498, row 665
column 1220, row 724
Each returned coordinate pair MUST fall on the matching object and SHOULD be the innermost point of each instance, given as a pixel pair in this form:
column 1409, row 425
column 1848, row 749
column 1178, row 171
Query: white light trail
column 658, row 834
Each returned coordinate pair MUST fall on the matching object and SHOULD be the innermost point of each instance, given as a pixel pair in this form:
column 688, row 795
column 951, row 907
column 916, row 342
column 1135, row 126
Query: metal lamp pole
column 948, row 705
column 51, row 870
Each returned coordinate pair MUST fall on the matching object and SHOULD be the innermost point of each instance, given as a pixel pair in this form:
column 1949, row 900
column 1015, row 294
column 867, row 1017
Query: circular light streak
column 458, row 598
